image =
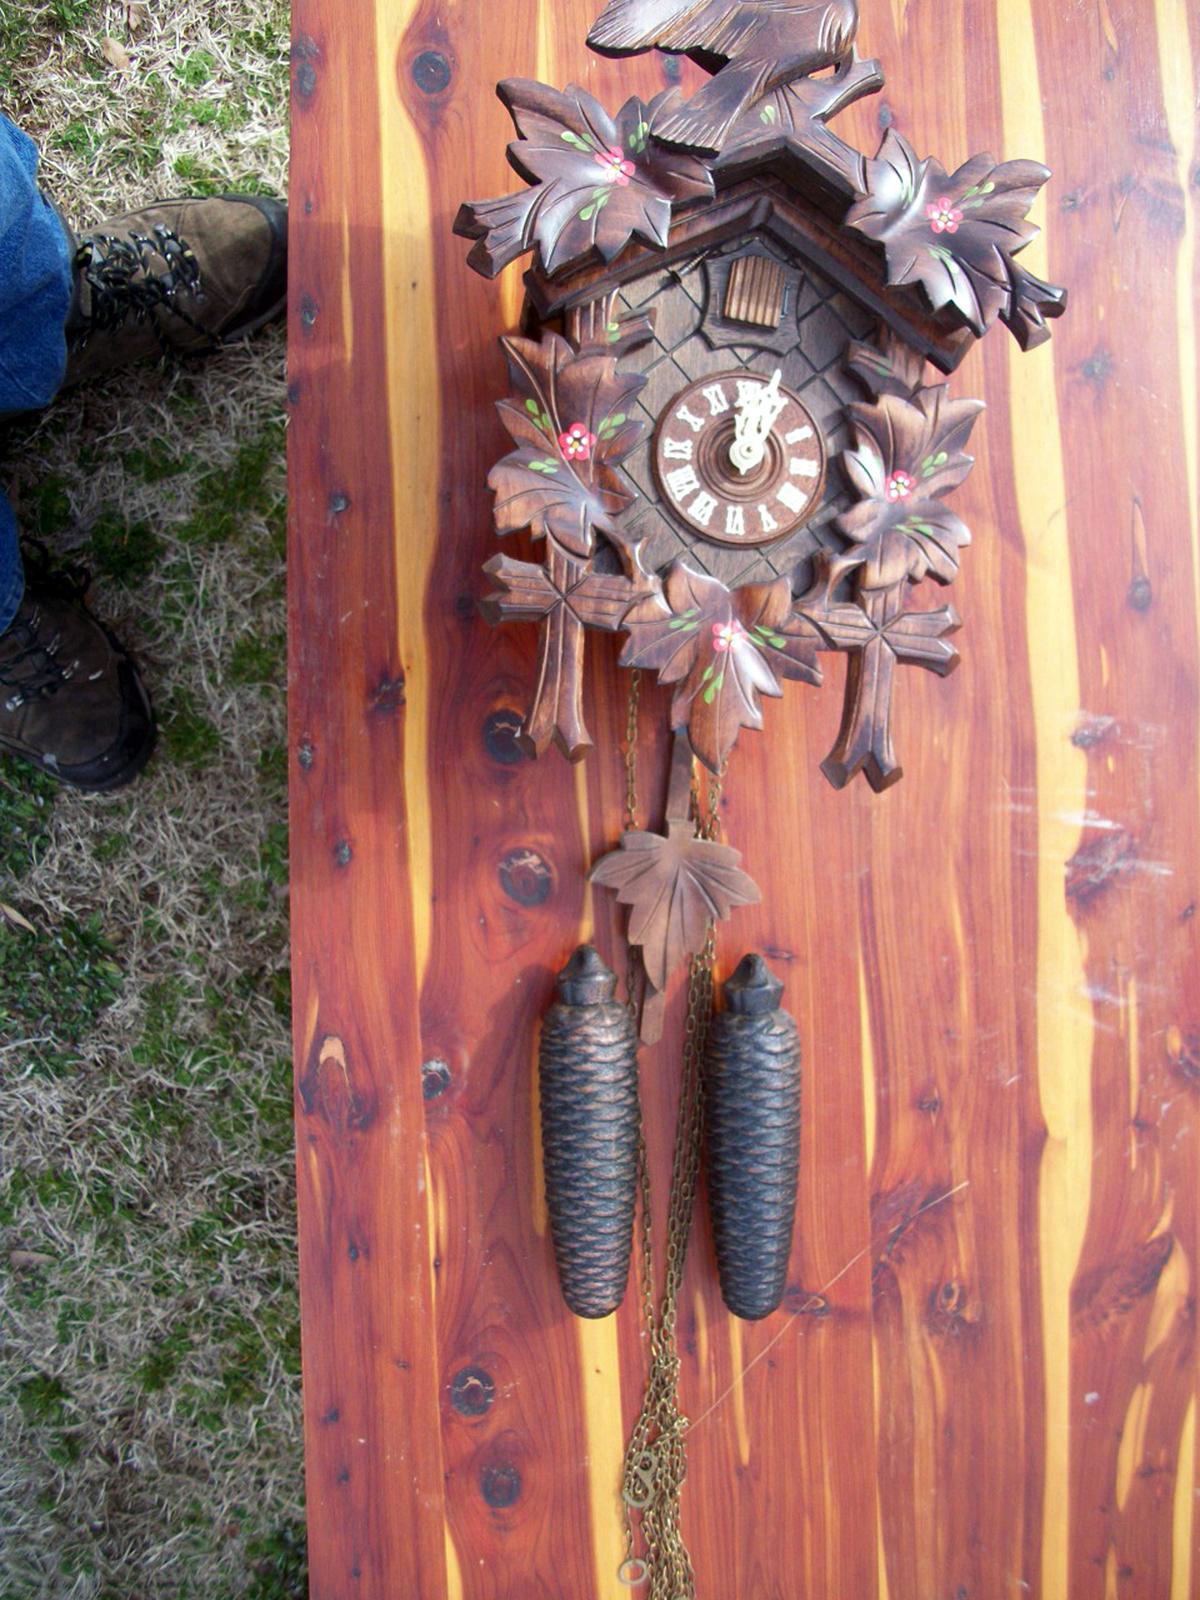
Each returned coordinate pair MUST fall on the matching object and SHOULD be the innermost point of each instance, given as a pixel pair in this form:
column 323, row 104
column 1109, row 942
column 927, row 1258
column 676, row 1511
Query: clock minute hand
column 757, row 409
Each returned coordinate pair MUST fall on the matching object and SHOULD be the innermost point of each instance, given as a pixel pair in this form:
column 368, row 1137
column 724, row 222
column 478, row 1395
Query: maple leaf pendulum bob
column 752, row 1117
column 590, row 1121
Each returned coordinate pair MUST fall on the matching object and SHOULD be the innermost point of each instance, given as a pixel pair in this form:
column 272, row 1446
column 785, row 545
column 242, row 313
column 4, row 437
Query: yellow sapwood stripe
column 1182, row 1543
column 548, row 67
column 737, row 1356
column 454, row 1582
column 413, row 402
column 1064, row 1038
column 1179, row 100
column 599, row 1354
column 414, row 417
column 1133, row 1440
column 600, row 1367
column 1179, row 90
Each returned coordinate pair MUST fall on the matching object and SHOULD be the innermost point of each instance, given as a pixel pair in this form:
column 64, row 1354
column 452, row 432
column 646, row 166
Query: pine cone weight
column 590, row 1120
column 752, row 1117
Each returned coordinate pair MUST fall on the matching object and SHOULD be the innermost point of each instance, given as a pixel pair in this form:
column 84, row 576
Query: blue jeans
column 35, row 296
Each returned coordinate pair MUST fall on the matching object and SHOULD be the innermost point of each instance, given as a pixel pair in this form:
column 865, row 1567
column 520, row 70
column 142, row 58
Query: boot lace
column 126, row 282
column 30, row 666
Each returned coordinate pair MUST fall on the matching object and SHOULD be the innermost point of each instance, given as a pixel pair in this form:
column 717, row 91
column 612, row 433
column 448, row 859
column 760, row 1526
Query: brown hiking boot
column 180, row 276
column 71, row 700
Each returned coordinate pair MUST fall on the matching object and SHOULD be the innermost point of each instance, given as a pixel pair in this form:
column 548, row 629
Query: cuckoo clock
column 734, row 444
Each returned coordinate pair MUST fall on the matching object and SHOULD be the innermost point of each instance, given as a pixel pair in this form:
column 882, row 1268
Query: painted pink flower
column 899, row 486
column 576, row 444
column 727, row 634
column 944, row 216
column 614, row 165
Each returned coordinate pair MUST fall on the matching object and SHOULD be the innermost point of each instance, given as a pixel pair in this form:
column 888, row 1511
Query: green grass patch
column 157, row 1368
column 260, row 659
column 227, row 496
column 196, row 68
column 189, row 737
column 47, row 511
column 155, row 463
column 149, row 1151
column 54, row 985
column 123, row 551
column 279, row 1564
column 71, row 13
column 27, row 797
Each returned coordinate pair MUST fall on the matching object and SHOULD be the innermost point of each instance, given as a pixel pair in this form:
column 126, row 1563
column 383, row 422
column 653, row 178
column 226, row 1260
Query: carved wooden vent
column 754, row 292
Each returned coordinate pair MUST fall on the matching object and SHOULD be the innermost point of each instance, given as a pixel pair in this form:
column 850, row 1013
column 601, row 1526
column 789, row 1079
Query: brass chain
column 633, row 708
column 631, row 743
column 656, row 1458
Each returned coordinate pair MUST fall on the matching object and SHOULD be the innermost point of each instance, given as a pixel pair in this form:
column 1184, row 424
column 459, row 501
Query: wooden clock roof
column 610, row 198
column 767, row 206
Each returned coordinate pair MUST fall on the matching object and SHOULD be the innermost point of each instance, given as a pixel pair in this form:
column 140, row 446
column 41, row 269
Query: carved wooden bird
column 752, row 46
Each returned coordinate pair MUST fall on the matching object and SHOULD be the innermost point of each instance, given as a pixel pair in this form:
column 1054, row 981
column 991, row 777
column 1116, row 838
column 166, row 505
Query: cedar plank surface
column 982, row 1381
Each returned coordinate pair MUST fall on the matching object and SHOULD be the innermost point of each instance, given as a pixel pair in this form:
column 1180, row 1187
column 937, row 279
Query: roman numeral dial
column 739, row 459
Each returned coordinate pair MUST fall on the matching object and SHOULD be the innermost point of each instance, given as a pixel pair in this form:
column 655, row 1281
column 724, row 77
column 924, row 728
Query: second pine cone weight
column 590, row 1123
column 752, row 1115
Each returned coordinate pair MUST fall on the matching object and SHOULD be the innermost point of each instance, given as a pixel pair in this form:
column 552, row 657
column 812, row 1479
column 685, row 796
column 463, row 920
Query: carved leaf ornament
column 722, row 648
column 597, row 181
column 906, row 457
column 674, row 884
column 570, row 422
column 955, row 234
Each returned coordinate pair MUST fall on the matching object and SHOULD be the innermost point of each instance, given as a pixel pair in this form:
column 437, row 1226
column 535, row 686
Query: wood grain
column 982, row 1380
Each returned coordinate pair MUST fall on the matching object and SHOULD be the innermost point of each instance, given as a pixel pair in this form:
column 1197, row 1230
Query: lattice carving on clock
column 826, row 321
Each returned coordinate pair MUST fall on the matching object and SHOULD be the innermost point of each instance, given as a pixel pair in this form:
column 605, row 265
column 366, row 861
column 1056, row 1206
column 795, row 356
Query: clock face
column 739, row 459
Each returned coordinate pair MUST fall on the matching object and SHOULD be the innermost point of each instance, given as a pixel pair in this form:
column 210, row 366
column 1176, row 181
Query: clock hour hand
column 758, row 407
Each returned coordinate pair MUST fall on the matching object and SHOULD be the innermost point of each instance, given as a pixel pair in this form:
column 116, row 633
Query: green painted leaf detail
column 546, row 423
column 769, row 113
column 708, row 672
column 573, row 139
column 713, row 690
column 532, row 406
column 587, row 213
column 678, row 624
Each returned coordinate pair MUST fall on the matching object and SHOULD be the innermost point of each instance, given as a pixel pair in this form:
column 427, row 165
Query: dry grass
column 149, row 1343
